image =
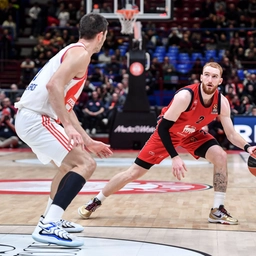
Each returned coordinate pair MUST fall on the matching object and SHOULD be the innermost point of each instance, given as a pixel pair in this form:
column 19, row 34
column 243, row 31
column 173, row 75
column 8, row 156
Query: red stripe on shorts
column 46, row 121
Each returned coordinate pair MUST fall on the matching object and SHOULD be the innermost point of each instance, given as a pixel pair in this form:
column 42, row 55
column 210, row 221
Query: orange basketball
column 251, row 163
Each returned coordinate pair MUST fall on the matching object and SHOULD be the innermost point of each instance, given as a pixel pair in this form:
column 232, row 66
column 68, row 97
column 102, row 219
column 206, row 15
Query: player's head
column 93, row 25
column 211, row 77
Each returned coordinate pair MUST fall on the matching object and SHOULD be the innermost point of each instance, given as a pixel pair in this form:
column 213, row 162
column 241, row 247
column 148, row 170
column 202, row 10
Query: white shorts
column 43, row 135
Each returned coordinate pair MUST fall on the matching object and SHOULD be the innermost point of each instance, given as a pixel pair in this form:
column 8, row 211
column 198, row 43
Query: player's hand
column 99, row 148
column 75, row 138
column 178, row 167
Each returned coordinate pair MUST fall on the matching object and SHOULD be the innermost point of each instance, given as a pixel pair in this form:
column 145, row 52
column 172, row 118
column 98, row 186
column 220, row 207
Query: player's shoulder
column 76, row 52
column 184, row 92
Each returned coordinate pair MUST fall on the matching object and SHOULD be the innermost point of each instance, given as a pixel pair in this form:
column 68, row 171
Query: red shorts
column 154, row 151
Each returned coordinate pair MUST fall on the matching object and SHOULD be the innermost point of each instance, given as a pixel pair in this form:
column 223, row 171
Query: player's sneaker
column 69, row 226
column 52, row 233
column 85, row 211
column 220, row 215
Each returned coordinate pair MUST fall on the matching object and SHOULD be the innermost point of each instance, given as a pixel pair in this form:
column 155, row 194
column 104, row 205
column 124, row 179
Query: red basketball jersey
column 196, row 115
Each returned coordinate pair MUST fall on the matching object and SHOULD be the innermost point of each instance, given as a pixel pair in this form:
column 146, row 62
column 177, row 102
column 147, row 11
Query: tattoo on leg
column 220, row 182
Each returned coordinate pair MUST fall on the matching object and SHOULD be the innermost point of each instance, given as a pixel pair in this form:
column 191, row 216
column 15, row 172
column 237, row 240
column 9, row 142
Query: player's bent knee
column 87, row 167
column 220, row 158
column 135, row 173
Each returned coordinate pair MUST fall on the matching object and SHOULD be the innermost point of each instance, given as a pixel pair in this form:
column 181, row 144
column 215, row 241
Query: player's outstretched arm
column 232, row 135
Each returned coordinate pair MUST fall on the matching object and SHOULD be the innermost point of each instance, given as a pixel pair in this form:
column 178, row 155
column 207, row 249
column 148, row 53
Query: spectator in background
column 6, row 44
column 34, row 13
column 235, row 105
column 80, row 13
column 104, row 57
column 174, row 38
column 6, row 103
column 227, row 68
column 249, row 49
column 38, row 49
column 110, row 108
column 93, row 113
column 121, row 93
column 13, row 93
column 155, row 68
column 47, row 39
column 197, row 43
column 63, row 16
column 251, row 79
column 113, row 68
column 251, row 91
column 197, row 67
column 230, row 85
column 253, row 112
column 222, row 42
column 9, row 22
column 232, row 14
column 97, row 76
column 150, row 83
column 72, row 14
column 27, row 70
column 8, row 137
column 220, row 7
column 246, row 105
column 185, row 44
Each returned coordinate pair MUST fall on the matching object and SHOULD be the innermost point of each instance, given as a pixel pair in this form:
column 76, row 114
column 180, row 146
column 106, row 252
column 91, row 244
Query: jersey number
column 201, row 118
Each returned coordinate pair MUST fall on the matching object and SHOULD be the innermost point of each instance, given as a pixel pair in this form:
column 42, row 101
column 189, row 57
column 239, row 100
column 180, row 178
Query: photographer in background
column 8, row 137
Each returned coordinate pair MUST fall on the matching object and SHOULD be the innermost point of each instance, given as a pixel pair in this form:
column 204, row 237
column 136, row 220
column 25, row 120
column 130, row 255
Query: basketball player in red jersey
column 48, row 101
column 180, row 124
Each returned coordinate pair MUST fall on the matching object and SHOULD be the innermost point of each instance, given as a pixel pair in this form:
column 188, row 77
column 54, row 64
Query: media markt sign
column 132, row 130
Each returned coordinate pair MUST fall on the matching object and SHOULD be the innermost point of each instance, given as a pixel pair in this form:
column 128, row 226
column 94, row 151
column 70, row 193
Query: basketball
column 252, row 165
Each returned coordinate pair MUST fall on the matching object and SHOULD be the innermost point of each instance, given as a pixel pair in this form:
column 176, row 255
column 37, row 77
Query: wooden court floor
column 173, row 218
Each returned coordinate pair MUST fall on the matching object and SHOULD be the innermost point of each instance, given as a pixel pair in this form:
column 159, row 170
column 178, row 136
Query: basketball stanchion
column 133, row 126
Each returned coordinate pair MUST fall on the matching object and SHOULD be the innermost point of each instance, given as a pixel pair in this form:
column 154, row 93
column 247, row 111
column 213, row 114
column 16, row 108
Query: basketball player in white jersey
column 48, row 102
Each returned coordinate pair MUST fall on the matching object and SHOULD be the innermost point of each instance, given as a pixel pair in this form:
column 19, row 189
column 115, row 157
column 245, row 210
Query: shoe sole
column 61, row 243
column 84, row 216
column 222, row 222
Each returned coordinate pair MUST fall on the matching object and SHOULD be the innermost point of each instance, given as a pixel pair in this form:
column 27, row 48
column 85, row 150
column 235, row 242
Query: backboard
column 157, row 10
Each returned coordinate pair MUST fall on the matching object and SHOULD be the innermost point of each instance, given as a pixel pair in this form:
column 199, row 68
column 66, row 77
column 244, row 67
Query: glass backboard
column 148, row 9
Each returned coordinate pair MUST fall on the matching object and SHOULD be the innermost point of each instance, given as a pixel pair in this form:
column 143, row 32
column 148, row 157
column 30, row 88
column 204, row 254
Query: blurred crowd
column 222, row 31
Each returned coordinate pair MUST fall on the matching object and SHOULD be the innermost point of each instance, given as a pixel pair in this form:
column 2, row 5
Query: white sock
column 219, row 198
column 49, row 203
column 54, row 214
column 101, row 197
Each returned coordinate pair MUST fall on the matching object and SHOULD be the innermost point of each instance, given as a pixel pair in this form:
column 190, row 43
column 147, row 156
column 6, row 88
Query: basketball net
column 127, row 19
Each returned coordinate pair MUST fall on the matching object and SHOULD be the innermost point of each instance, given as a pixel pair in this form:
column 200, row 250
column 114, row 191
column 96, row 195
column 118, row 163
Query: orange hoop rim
column 127, row 13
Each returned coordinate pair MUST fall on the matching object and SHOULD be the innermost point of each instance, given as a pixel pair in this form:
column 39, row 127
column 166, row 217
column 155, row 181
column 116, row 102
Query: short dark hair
column 91, row 24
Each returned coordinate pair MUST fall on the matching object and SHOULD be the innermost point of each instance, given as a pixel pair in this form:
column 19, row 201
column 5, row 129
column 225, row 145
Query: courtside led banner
column 246, row 127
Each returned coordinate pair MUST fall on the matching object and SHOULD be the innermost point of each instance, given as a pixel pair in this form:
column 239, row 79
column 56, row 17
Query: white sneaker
column 69, row 226
column 87, row 131
column 52, row 233
column 93, row 131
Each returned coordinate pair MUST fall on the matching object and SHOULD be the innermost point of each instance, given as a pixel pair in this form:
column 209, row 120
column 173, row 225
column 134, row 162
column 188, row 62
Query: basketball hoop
column 127, row 19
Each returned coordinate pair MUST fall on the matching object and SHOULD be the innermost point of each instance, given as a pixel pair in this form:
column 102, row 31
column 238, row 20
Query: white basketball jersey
column 35, row 97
